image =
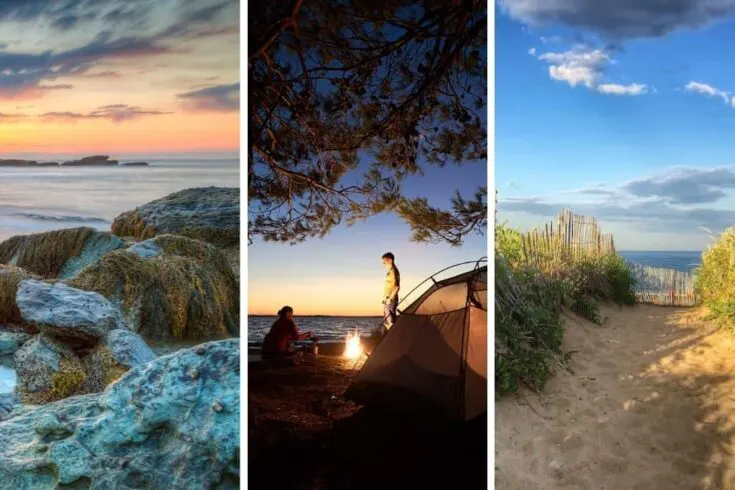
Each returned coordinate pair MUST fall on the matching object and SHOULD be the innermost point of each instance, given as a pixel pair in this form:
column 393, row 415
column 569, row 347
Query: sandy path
column 650, row 405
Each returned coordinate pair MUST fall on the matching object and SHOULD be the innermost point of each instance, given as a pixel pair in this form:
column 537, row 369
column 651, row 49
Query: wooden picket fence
column 666, row 287
column 571, row 237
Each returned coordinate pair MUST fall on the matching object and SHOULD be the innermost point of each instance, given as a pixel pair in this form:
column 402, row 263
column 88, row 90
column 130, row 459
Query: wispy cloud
column 651, row 216
column 214, row 98
column 616, row 89
column 12, row 118
column 124, row 31
column 709, row 90
column 669, row 201
column 683, row 185
column 115, row 113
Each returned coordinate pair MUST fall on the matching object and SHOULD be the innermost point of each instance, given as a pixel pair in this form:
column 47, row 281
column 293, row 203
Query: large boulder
column 47, row 370
column 67, row 312
column 169, row 287
column 169, row 424
column 120, row 351
column 210, row 214
column 10, row 277
column 58, row 253
column 12, row 341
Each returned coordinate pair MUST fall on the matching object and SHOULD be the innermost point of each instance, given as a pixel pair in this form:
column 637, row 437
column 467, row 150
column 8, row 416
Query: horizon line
column 271, row 315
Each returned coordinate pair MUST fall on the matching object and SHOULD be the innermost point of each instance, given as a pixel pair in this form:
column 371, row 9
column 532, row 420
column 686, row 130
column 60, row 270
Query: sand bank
column 650, row 405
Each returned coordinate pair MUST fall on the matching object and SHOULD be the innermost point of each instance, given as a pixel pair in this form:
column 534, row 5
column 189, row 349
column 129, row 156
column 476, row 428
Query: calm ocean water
column 682, row 261
column 326, row 328
column 49, row 198
column 7, row 374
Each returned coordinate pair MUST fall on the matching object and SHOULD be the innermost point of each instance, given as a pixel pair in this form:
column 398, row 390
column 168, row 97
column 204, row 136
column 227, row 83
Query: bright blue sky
column 343, row 273
column 619, row 110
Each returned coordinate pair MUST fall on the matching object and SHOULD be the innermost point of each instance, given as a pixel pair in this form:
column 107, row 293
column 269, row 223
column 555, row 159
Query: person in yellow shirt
column 390, row 290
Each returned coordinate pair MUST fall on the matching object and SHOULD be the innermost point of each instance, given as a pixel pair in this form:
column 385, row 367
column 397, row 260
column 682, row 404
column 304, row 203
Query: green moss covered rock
column 169, row 287
column 58, row 253
column 10, row 277
column 210, row 214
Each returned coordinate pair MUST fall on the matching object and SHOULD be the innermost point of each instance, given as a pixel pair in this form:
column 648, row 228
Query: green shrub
column 528, row 325
column 620, row 278
column 508, row 244
column 715, row 277
column 587, row 307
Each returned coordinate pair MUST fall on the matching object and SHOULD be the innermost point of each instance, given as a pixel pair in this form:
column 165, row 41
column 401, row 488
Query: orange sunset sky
column 119, row 76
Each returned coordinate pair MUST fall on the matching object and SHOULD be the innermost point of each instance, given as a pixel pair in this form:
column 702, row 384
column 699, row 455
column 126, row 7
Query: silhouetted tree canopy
column 402, row 83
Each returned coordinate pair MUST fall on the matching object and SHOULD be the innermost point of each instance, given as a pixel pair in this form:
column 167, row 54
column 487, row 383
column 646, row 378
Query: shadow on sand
column 650, row 405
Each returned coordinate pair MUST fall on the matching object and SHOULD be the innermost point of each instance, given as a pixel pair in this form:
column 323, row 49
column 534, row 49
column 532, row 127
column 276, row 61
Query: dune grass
column 188, row 292
column 45, row 253
column 715, row 278
column 530, row 294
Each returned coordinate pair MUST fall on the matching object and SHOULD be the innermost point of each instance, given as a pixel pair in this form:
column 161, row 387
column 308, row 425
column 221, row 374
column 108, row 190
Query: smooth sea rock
column 128, row 349
column 96, row 246
column 172, row 423
column 11, row 342
column 8, row 403
column 39, row 360
column 66, row 312
column 119, row 352
column 147, row 249
column 211, row 214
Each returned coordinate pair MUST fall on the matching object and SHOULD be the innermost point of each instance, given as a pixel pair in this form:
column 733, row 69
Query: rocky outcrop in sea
column 91, row 161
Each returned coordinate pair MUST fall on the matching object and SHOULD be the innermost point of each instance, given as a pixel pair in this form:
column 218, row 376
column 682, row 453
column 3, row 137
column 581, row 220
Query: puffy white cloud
column 584, row 66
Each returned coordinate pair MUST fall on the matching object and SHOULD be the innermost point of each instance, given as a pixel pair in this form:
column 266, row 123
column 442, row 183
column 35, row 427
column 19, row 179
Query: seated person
column 282, row 333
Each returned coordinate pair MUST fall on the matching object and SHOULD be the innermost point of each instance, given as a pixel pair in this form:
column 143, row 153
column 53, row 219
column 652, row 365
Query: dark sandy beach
column 304, row 435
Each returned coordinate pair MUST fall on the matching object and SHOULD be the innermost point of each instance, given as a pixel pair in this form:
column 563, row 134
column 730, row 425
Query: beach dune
column 649, row 405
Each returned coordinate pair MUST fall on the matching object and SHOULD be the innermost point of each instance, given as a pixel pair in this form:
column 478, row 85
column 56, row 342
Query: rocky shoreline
column 94, row 406
column 91, row 161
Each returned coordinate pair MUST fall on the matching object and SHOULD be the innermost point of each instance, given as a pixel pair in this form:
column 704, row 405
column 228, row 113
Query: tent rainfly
column 436, row 352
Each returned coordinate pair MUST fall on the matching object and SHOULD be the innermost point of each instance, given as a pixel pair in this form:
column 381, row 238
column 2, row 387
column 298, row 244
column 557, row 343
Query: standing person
column 282, row 333
column 390, row 291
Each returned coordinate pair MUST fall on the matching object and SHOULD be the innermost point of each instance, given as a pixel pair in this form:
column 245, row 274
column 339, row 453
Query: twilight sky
column 620, row 109
column 342, row 274
column 119, row 76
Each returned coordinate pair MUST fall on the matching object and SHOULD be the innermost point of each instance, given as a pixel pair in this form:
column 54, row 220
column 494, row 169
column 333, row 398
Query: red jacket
column 282, row 332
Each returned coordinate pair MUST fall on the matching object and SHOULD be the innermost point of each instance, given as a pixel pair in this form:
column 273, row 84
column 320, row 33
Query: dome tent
column 435, row 354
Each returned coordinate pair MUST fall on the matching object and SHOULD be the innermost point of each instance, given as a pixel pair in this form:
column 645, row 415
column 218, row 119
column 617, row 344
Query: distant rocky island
column 93, row 161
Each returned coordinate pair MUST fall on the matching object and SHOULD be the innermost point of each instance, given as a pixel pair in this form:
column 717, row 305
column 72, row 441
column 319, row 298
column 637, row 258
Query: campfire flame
column 353, row 349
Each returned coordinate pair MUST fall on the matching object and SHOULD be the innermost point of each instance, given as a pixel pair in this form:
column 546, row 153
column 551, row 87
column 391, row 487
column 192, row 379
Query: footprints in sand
column 648, row 406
